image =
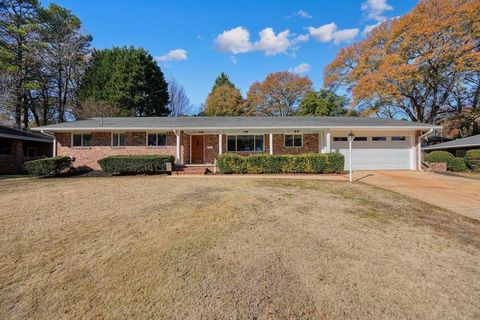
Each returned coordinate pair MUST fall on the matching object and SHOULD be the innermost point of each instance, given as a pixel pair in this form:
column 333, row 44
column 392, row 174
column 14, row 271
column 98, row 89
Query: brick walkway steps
column 193, row 169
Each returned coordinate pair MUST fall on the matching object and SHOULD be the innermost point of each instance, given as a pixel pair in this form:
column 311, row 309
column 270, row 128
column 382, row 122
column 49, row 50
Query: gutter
column 373, row 128
column 434, row 147
column 54, row 141
column 420, row 148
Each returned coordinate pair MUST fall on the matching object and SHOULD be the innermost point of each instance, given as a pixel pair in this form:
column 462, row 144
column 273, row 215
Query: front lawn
column 230, row 248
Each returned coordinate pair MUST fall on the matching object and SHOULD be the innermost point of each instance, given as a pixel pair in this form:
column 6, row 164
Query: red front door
column 197, row 149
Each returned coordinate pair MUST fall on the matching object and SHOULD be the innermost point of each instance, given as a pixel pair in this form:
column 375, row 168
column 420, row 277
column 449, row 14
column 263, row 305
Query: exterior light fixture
column 350, row 138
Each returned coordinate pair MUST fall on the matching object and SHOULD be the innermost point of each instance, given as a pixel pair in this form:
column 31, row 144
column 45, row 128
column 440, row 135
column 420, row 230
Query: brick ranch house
column 380, row 144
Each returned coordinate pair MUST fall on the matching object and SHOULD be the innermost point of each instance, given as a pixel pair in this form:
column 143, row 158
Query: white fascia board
column 434, row 147
column 216, row 129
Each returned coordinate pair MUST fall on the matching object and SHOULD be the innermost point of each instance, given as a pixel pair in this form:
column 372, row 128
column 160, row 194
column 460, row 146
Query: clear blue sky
column 215, row 36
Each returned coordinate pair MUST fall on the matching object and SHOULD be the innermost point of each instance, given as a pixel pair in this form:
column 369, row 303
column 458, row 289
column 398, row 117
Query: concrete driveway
column 460, row 195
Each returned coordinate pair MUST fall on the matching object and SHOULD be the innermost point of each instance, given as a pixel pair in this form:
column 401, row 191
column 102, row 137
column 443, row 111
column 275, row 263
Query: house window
column 293, row 140
column 118, row 139
column 157, row 139
column 398, row 138
column 247, row 143
column 340, row 139
column 82, row 139
column 379, row 138
column 360, row 139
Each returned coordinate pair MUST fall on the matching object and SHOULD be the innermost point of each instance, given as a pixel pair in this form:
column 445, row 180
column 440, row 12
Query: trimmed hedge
column 457, row 164
column 49, row 167
column 129, row 164
column 439, row 156
column 473, row 159
column 265, row 163
column 453, row 164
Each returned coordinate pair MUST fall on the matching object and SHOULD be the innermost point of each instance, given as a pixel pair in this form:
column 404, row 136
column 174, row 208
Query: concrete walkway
column 460, row 195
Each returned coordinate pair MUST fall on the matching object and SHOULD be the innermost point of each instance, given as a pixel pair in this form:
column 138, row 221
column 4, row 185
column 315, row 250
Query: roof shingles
column 233, row 123
column 473, row 141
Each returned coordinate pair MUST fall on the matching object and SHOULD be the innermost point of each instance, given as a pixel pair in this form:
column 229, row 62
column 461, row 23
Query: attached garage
column 378, row 152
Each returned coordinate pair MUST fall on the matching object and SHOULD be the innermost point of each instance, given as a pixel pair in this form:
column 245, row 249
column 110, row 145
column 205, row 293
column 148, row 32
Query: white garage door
column 376, row 152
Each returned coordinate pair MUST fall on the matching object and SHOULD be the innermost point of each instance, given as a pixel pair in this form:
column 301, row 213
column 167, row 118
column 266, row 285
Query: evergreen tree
column 323, row 103
column 18, row 41
column 128, row 78
column 222, row 80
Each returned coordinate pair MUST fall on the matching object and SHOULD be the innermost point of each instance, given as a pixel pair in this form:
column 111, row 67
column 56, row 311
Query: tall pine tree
column 128, row 78
column 222, row 80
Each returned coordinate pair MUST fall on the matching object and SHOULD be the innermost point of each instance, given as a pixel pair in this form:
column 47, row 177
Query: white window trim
column 81, row 140
column 254, row 142
column 111, row 140
column 156, row 139
column 292, row 134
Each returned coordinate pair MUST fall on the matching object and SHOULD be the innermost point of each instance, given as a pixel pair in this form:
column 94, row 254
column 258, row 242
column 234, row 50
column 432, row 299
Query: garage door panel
column 376, row 155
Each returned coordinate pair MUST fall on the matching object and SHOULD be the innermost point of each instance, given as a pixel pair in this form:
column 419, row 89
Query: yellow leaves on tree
column 424, row 64
column 224, row 101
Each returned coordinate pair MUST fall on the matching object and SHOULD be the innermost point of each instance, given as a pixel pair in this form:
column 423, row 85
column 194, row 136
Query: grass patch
column 225, row 248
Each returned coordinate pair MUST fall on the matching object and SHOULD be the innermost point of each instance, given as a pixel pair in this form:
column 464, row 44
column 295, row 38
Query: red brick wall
column 135, row 144
column 310, row 144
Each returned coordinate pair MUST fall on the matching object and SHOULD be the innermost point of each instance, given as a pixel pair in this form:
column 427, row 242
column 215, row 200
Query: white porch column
column 320, row 142
column 178, row 160
column 327, row 143
column 220, row 143
column 270, row 143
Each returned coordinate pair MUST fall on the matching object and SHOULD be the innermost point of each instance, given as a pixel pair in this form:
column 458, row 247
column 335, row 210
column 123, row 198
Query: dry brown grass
column 222, row 248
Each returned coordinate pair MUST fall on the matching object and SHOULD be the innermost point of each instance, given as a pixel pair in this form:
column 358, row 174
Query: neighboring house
column 380, row 144
column 18, row 146
column 457, row 147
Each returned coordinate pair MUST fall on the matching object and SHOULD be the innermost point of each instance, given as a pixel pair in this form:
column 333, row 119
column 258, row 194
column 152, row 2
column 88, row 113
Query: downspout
column 54, row 141
column 420, row 148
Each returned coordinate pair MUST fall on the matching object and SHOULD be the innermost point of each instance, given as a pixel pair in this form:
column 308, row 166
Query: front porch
column 203, row 148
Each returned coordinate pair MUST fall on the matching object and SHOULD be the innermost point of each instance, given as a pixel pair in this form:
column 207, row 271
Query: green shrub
column 473, row 159
column 457, row 165
column 453, row 164
column 144, row 164
column 439, row 156
column 231, row 163
column 48, row 167
column 265, row 163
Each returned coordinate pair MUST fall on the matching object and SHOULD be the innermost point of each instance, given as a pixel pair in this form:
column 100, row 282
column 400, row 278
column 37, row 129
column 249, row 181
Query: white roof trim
column 435, row 147
column 237, row 128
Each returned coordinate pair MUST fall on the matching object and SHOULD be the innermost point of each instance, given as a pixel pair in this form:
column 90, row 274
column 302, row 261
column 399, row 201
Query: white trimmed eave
column 473, row 145
column 235, row 129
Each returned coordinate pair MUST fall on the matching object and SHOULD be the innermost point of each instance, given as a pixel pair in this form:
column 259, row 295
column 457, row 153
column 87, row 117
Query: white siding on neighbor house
column 378, row 155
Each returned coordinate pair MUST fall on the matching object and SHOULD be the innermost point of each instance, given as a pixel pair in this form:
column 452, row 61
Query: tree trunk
column 25, row 112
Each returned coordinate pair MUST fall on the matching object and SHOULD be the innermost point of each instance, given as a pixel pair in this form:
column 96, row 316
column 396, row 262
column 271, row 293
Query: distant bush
column 49, row 167
column 453, row 164
column 457, row 165
column 129, row 164
column 265, row 163
column 472, row 157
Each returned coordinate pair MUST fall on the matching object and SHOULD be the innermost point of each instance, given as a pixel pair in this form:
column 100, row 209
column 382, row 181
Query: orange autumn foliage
column 279, row 94
column 422, row 65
